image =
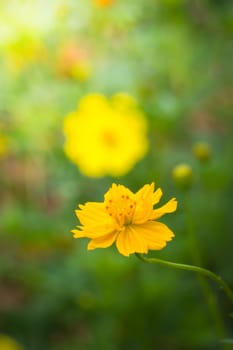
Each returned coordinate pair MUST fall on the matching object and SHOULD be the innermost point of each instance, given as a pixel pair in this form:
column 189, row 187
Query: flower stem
column 211, row 299
column 193, row 268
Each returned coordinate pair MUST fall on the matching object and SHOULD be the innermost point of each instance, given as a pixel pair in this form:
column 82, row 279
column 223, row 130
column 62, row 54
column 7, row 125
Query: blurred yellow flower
column 7, row 343
column 24, row 50
column 126, row 218
column 106, row 137
column 103, row 3
column 3, row 145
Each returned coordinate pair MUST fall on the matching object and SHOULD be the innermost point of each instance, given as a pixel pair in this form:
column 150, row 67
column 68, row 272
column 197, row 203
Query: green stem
column 197, row 260
column 193, row 268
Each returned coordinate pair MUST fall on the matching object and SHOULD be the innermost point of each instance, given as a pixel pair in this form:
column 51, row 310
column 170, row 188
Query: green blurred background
column 175, row 57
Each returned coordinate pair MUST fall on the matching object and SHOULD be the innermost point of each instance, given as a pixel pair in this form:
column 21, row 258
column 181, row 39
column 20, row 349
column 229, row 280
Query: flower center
column 109, row 138
column 121, row 210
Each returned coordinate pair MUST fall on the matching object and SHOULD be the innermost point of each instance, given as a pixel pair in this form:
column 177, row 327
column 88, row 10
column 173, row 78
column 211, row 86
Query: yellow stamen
column 121, row 210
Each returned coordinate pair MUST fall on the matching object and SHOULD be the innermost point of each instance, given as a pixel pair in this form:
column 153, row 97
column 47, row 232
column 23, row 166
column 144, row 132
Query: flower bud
column 202, row 151
column 183, row 175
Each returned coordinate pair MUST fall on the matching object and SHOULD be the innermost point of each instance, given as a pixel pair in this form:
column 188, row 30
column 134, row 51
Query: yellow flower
column 126, row 218
column 3, row 145
column 106, row 137
column 24, row 50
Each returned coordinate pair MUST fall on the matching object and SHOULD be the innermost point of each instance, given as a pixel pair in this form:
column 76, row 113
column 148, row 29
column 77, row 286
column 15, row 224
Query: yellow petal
column 90, row 212
column 116, row 191
column 144, row 207
column 129, row 242
column 95, row 221
column 155, row 234
column 169, row 207
column 78, row 234
column 95, row 231
column 145, row 192
column 103, row 241
column 93, row 103
column 157, row 195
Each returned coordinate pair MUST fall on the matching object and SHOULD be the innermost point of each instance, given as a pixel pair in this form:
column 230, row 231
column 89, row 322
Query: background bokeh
column 175, row 58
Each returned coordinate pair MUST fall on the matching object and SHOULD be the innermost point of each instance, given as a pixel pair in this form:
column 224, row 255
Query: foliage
column 174, row 58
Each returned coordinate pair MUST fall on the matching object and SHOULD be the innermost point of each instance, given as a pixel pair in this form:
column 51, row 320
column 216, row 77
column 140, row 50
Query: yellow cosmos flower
column 106, row 137
column 126, row 218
